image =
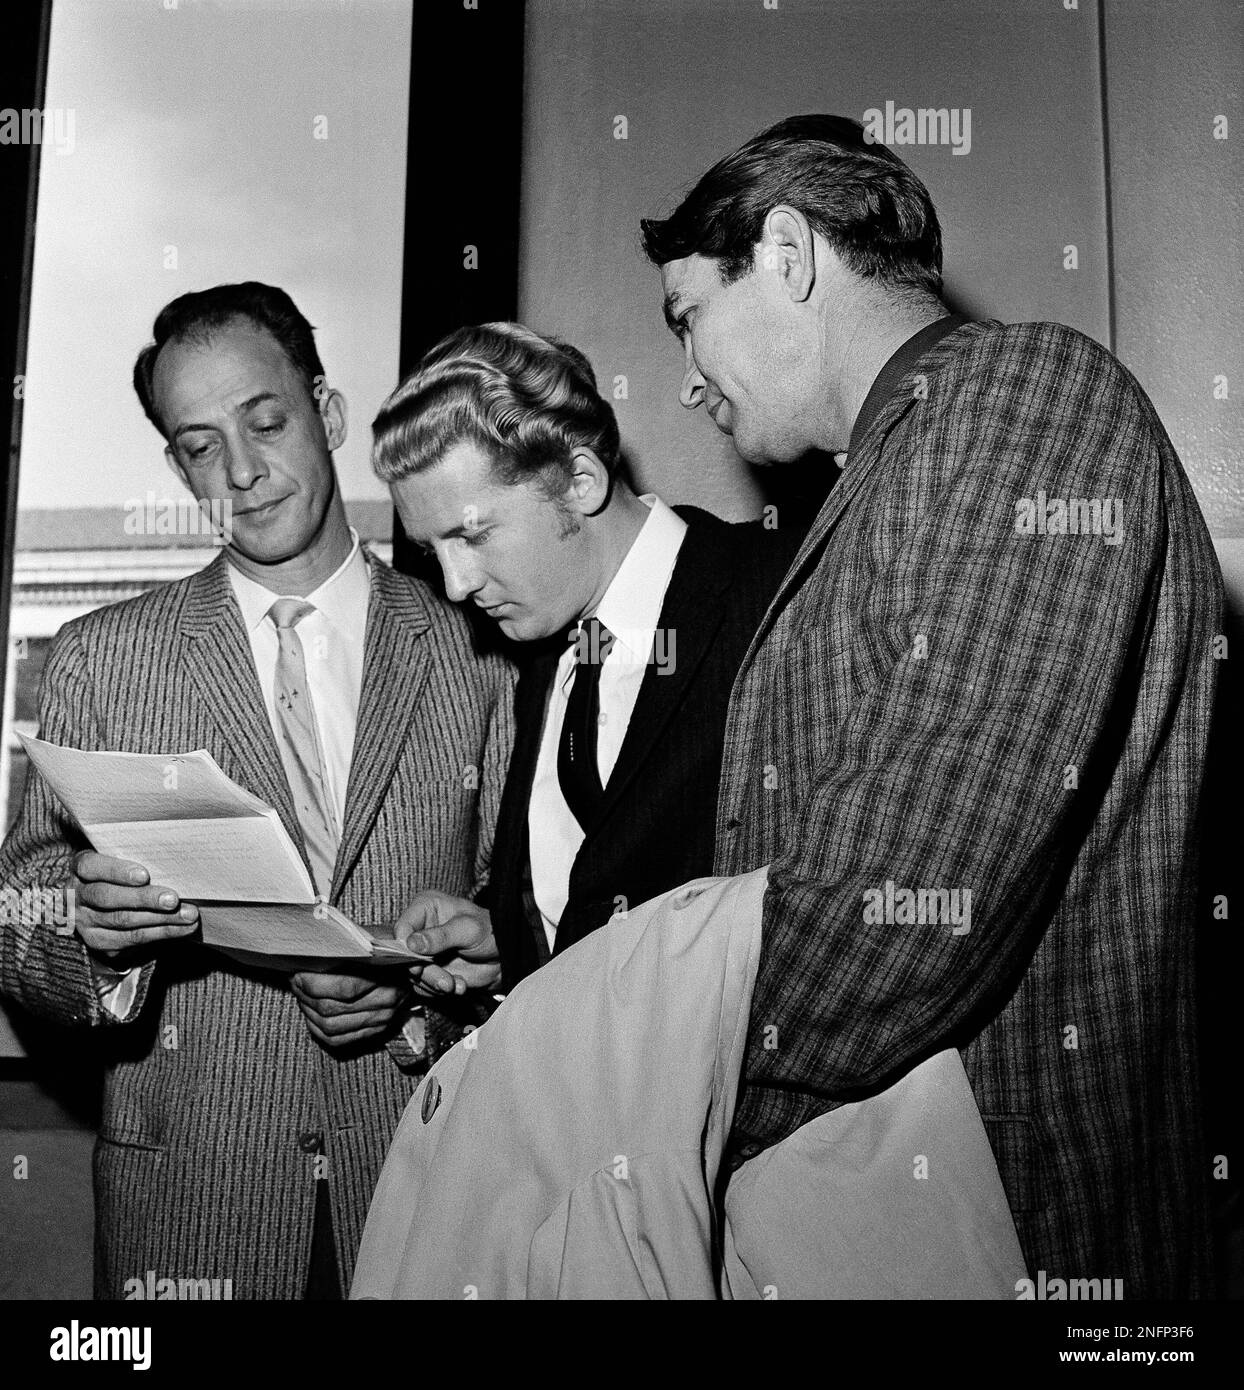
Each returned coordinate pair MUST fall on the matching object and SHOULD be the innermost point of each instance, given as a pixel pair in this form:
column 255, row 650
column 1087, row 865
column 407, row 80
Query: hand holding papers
column 217, row 845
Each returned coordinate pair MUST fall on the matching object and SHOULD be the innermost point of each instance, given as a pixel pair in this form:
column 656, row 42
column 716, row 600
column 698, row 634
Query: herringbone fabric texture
column 937, row 701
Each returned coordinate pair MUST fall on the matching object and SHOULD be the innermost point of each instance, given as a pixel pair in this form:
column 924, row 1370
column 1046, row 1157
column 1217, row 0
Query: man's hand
column 456, row 931
column 117, row 907
column 342, row 1010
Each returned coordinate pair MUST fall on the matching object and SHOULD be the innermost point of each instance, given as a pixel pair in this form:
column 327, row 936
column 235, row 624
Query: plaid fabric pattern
column 936, row 701
column 214, row 1090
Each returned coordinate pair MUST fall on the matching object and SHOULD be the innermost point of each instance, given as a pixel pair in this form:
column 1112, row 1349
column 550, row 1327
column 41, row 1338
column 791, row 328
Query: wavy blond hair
column 527, row 401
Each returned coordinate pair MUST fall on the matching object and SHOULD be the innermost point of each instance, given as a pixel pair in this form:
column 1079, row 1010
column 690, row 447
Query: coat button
column 310, row 1141
column 431, row 1098
column 737, row 1157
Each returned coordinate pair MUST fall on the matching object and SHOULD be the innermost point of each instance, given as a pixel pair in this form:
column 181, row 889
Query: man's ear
column 175, row 464
column 333, row 413
column 589, row 482
column 788, row 247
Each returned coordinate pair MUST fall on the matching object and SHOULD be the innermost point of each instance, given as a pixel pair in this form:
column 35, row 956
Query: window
column 187, row 144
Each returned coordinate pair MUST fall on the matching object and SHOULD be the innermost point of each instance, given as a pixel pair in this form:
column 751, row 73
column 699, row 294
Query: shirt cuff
column 116, row 989
column 415, row 1031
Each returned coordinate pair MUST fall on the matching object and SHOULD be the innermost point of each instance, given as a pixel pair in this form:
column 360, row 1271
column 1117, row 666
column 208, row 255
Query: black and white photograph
column 618, row 625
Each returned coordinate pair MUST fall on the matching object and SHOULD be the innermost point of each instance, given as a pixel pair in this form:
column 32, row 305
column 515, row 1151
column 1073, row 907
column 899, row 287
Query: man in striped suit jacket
column 246, row 1115
column 970, row 734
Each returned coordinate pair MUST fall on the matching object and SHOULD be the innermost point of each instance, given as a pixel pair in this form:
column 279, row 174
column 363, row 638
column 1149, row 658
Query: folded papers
column 216, row 845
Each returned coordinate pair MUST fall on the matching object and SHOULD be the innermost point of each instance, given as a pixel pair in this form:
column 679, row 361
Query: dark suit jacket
column 217, row 1101
column 655, row 826
column 951, row 702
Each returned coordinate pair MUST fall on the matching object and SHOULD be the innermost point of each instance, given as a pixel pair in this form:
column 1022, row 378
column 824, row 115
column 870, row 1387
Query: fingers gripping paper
column 213, row 842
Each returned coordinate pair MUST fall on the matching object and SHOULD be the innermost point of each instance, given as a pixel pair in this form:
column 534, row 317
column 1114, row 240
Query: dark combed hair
column 869, row 206
column 527, row 401
column 196, row 316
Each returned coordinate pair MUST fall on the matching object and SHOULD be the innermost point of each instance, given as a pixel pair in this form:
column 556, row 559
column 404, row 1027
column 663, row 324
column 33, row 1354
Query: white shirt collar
column 339, row 598
column 631, row 605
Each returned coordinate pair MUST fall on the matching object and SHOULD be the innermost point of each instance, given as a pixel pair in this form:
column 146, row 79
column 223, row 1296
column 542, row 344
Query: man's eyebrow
column 670, row 307
column 250, row 404
column 464, row 530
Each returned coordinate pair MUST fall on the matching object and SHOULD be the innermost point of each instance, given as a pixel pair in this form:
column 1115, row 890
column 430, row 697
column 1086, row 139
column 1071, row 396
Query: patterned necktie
column 300, row 743
column 578, row 771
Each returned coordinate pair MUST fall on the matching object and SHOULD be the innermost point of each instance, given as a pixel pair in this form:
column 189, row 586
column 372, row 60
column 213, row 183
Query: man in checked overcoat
column 970, row 734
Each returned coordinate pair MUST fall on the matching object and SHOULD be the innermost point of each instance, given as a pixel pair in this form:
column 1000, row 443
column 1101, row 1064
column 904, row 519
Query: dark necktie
column 577, row 768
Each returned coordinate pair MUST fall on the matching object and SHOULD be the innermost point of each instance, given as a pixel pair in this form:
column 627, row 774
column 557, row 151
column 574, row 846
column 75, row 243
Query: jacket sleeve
column 497, row 750
column 44, row 965
column 977, row 751
column 444, row 1022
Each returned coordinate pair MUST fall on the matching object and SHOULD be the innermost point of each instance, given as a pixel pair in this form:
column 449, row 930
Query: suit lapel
column 511, row 844
column 859, row 466
column 395, row 666
column 217, row 656
column 693, row 611
column 531, row 698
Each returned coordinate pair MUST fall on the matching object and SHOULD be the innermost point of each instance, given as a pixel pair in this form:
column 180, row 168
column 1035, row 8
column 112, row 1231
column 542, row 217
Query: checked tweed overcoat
column 938, row 699
column 218, row 1105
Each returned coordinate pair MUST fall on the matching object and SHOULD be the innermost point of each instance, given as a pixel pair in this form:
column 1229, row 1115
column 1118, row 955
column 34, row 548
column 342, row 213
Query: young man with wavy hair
column 504, row 462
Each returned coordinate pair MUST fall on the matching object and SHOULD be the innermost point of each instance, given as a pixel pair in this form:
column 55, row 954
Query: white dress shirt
column 631, row 610
column 332, row 645
column 332, row 648
column 333, row 640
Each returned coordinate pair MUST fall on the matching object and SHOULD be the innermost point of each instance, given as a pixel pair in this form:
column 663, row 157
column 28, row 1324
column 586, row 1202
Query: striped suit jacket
column 219, row 1109
column 948, row 694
